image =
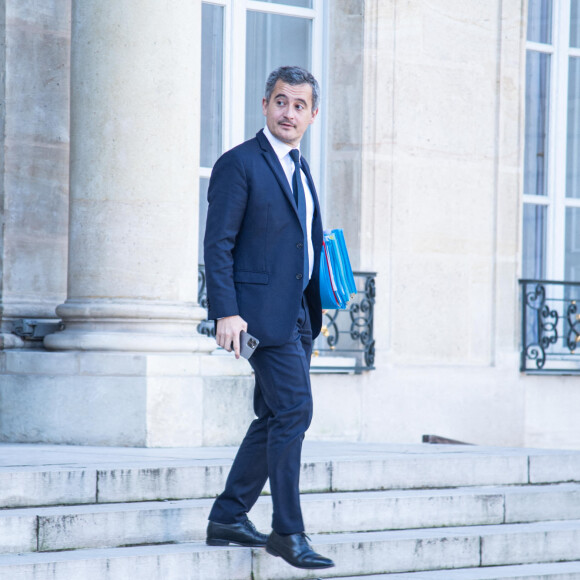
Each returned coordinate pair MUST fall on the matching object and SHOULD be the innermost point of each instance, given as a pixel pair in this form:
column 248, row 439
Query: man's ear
column 264, row 106
column 314, row 113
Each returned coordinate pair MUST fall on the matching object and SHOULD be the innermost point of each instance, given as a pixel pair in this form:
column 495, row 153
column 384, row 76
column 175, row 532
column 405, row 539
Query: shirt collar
column 280, row 148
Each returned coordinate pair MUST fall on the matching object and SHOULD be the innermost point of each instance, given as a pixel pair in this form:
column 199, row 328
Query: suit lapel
column 306, row 168
column 274, row 163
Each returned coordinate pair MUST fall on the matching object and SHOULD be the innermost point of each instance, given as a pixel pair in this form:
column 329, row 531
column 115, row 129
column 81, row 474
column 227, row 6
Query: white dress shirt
column 282, row 151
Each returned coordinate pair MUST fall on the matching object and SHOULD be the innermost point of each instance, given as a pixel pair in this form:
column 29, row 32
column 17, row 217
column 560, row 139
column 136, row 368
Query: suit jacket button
column 298, row 276
column 299, row 245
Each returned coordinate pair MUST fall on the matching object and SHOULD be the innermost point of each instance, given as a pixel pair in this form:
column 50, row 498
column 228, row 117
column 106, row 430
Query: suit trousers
column 273, row 444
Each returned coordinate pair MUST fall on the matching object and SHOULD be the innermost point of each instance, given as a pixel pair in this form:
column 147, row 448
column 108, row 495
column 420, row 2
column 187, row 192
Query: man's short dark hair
column 293, row 75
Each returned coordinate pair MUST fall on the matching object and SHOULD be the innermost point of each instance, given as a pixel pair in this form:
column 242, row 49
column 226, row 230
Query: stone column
column 34, row 133
column 130, row 368
column 132, row 278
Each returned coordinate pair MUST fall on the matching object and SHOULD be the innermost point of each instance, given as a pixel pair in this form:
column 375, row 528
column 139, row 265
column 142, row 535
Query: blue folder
column 337, row 285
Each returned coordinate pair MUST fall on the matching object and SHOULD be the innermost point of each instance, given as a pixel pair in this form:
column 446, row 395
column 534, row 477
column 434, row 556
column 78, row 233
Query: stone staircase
column 424, row 512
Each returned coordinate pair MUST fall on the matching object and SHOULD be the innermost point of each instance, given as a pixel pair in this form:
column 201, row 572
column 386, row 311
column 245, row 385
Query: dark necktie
column 300, row 199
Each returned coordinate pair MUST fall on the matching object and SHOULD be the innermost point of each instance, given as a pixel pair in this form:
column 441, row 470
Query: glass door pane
column 212, row 64
column 540, row 21
column 536, row 124
column 300, row 3
column 573, row 132
column 572, row 260
column 572, row 256
column 203, row 205
column 272, row 40
column 575, row 23
column 534, row 243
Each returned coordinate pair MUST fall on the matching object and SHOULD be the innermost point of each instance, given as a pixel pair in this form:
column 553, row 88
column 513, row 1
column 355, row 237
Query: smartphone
column 248, row 344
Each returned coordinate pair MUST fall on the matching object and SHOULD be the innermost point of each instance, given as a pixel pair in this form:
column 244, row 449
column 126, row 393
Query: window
column 212, row 72
column 242, row 42
column 551, row 212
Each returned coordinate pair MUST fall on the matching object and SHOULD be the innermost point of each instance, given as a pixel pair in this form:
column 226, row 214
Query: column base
column 9, row 340
column 124, row 399
column 87, row 340
column 107, row 325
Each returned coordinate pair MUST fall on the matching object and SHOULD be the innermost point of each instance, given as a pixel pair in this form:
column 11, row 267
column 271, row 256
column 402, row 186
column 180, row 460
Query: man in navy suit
column 262, row 250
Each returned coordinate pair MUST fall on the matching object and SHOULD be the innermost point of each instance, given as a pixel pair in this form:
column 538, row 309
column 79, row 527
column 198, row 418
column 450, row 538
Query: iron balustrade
column 346, row 342
column 206, row 327
column 550, row 327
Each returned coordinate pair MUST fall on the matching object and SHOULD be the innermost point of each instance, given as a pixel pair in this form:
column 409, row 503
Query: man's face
column 289, row 111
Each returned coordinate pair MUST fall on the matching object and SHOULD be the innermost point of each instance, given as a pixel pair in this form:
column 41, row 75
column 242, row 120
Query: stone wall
column 442, row 110
column 343, row 88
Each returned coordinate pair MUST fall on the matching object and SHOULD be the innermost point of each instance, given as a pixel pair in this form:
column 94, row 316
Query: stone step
column 369, row 553
column 557, row 571
column 58, row 475
column 438, row 548
column 327, row 473
column 111, row 525
column 169, row 562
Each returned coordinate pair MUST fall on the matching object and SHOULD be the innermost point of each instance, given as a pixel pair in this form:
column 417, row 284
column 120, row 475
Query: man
column 262, row 251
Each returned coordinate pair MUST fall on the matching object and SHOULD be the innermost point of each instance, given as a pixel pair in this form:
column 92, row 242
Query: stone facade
column 423, row 166
column 439, row 221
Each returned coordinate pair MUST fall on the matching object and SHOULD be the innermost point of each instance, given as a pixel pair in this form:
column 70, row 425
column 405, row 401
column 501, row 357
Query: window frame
column 555, row 200
column 234, row 71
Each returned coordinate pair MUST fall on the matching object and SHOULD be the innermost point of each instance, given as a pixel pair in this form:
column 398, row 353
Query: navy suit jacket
column 254, row 244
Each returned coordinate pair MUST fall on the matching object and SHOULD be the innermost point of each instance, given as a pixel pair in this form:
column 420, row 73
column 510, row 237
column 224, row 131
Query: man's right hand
column 228, row 333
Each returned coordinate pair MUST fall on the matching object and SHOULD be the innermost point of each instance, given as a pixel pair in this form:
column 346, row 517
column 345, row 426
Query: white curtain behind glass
column 211, row 137
column 212, row 44
column 540, row 21
column 572, row 255
column 575, row 23
column 573, row 133
column 272, row 40
column 536, row 128
column 534, row 241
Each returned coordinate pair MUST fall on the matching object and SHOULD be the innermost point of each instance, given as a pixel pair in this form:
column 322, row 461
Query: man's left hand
column 228, row 333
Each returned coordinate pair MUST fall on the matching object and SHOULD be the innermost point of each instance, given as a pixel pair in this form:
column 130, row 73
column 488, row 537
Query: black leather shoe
column 242, row 533
column 296, row 550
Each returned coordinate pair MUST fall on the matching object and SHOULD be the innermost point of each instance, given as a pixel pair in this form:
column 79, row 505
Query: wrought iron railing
column 346, row 343
column 550, row 327
column 206, row 327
